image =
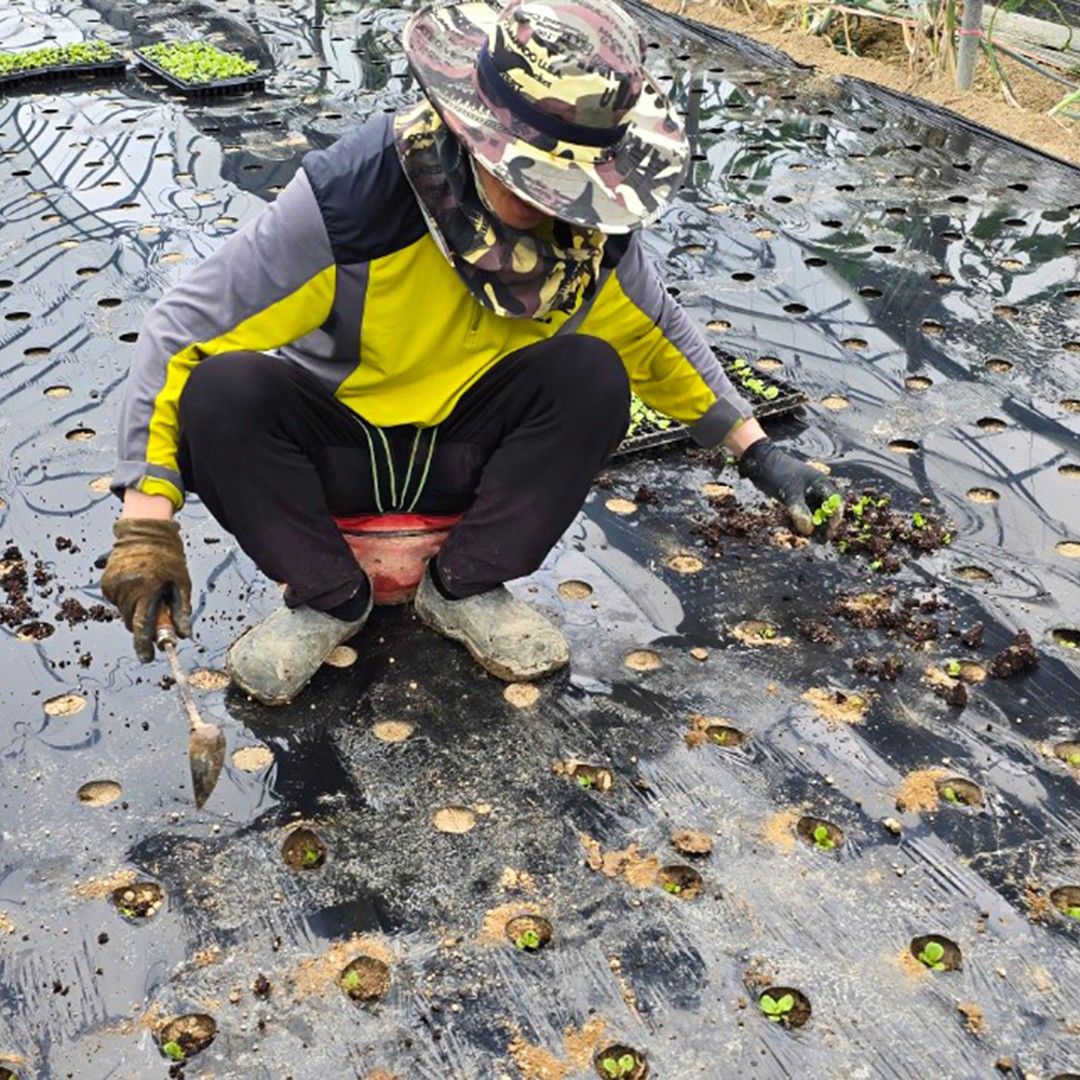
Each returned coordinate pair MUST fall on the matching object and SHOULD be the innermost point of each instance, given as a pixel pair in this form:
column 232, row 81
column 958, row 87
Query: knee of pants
column 223, row 392
column 590, row 376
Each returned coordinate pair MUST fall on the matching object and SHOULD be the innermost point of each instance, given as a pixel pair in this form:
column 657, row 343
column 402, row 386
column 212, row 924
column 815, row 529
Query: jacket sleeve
column 266, row 286
column 671, row 366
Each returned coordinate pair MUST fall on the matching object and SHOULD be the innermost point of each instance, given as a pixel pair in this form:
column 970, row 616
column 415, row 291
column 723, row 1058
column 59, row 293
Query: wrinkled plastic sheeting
column 856, row 237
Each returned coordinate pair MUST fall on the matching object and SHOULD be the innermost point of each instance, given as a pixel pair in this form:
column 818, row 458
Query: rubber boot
column 504, row 634
column 277, row 658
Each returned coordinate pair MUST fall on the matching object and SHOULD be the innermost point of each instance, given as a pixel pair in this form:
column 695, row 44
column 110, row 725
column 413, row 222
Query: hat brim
column 614, row 189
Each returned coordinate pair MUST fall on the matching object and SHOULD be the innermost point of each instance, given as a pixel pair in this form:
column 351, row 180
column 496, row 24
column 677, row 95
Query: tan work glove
column 146, row 569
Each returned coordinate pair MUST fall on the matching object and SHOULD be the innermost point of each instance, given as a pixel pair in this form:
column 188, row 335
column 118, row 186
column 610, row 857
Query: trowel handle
column 165, row 632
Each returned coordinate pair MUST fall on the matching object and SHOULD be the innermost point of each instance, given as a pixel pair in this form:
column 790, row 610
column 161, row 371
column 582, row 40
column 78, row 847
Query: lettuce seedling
column 822, row 839
column 310, row 855
column 776, row 1008
column 950, row 794
column 528, row 941
column 584, row 780
column 918, row 520
column 617, row 1067
column 931, row 955
column 1074, row 759
column 1073, row 912
column 953, row 668
column 351, row 981
column 174, row 1050
column 672, row 887
column 827, row 509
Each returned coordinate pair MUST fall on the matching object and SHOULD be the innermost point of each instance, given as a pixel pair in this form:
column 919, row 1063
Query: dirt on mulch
column 883, row 59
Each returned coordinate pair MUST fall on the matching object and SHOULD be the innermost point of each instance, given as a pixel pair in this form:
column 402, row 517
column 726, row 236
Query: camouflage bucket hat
column 552, row 97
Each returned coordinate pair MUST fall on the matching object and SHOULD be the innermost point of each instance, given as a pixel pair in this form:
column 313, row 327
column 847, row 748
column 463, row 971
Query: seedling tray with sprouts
column 770, row 397
column 235, row 84
column 54, row 63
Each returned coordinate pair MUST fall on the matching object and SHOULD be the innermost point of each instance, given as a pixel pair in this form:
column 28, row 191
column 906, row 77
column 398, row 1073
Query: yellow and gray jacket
column 340, row 276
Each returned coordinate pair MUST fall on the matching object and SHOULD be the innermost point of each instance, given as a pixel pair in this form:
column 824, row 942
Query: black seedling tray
column 239, row 84
column 100, row 69
column 648, row 436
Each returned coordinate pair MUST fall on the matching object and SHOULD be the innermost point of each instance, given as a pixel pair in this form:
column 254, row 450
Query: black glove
column 147, row 569
column 801, row 489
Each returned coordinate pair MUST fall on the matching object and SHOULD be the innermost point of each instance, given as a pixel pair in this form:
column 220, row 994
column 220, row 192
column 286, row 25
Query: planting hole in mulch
column 681, row 881
column 620, row 1062
column 64, row 705
column 591, row 777
column 521, row 695
column 1066, row 898
column 643, row 660
column 1006, row 311
column 1068, row 637
column 757, row 632
column 253, row 759
column 904, row 446
column 99, row 792
column 683, row 563
column 999, row 367
column 785, row 1005
column 392, row 730
column 718, row 326
column 575, row 590
column 621, row 506
column 1071, row 404
column 342, row 656
column 208, row 679
column 57, row 391
column 725, row 736
column 140, row 900
column 454, row 819
column 528, row 933
column 365, row 978
column 303, row 849
column 186, row 1036
column 983, row 495
column 35, row 631
column 80, row 434
column 936, row 952
column 835, row 402
column 929, row 326
column 991, row 424
column 1069, row 548
column 960, row 792
column 855, row 343
column 819, row 833
column 1069, row 752
column 1070, row 472
column 918, row 382
column 973, row 573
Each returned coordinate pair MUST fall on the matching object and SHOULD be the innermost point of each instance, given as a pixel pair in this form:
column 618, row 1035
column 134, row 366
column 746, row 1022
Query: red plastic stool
column 393, row 549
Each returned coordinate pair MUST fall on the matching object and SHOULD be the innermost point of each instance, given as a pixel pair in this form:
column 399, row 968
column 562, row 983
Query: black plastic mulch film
column 917, row 279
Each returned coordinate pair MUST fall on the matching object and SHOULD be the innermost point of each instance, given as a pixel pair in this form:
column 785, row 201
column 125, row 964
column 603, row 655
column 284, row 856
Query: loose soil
column 94, row 888
column 919, row 791
column 974, row 1021
column 643, row 660
column 579, row 1045
column 837, row 707
column 755, row 632
column 684, row 563
column 592, row 777
column 639, row 870
column 208, row 679
column 883, row 59
column 1017, row 658
column 575, row 590
column 692, row 842
column 779, row 830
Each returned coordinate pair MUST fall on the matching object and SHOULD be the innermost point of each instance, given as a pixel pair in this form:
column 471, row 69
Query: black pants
column 274, row 456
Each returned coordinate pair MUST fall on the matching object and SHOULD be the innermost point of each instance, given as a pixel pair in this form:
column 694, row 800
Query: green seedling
column 768, row 632
column 641, row 415
column 946, row 538
column 1074, row 759
column 174, row 1050
column 931, row 955
column 1073, row 912
column 528, row 941
column 619, row 1066
column 918, row 520
column 877, row 564
column 950, row 794
column 53, row 56
column 953, row 668
column 672, row 887
column 351, row 981
column 129, row 913
column 197, row 62
column 827, row 509
column 822, row 839
column 776, row 1008
column 584, row 780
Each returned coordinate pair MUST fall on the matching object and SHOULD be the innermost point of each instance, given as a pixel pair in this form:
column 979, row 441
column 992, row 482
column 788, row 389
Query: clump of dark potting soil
column 1018, row 657
column 886, row 668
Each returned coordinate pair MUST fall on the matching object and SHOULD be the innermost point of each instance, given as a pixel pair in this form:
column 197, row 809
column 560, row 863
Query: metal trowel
column 206, row 742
